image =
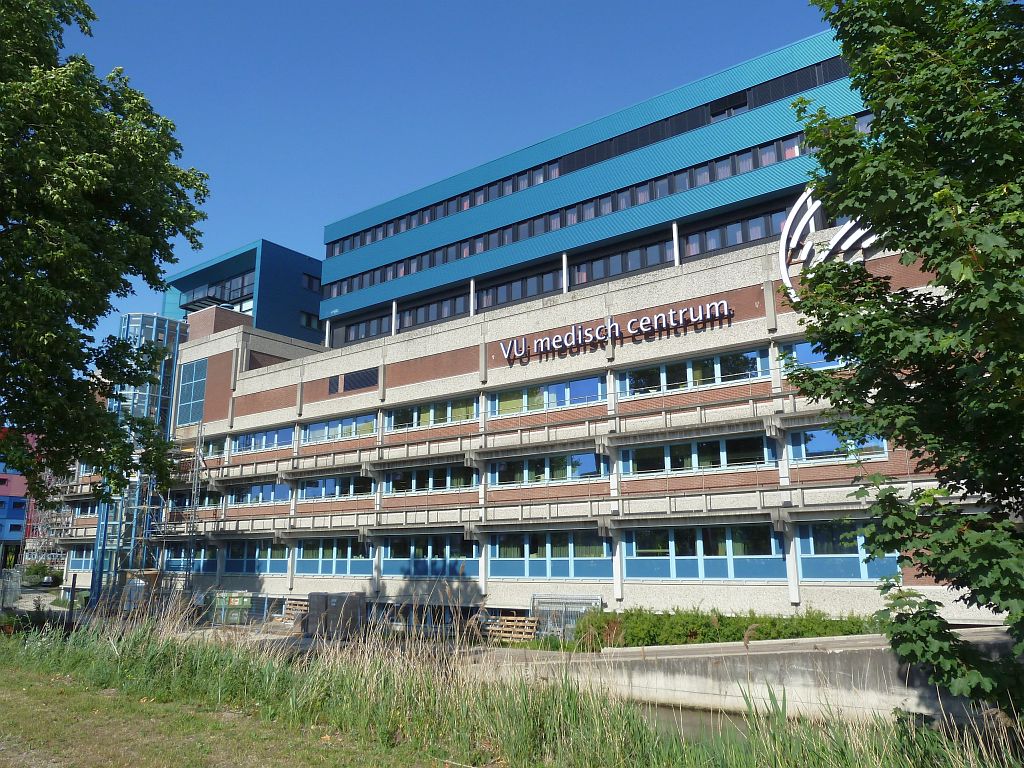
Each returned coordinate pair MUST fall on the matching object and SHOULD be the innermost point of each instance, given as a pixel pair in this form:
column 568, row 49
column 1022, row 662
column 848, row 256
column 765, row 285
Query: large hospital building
column 558, row 373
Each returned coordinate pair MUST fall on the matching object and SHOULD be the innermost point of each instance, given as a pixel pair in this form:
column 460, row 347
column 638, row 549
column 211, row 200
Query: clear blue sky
column 305, row 112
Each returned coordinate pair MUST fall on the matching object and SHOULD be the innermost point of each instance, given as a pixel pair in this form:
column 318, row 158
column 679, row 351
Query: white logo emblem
column 797, row 248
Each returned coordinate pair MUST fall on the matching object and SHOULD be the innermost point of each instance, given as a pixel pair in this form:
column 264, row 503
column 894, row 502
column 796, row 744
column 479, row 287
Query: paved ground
column 27, row 601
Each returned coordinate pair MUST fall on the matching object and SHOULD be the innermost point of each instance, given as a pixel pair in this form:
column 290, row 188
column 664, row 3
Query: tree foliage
column 939, row 370
column 91, row 197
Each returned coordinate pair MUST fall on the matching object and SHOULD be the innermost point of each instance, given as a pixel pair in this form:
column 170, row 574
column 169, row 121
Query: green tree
column 90, row 198
column 939, row 370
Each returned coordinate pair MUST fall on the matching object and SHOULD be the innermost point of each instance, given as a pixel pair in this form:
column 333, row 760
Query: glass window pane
column 559, row 467
column 693, row 244
column 650, row 459
column 751, row 540
column 439, row 478
column 462, row 477
column 709, row 454
column 534, row 398
column 791, row 148
column 713, row 239
column 738, row 365
column 821, row 444
column 714, row 542
column 559, row 544
column 510, row 545
column 651, row 542
column 643, row 380
column 675, row 376
column 585, row 465
column 723, row 168
column 587, row 544
column 538, row 546
column 536, row 470
column 704, row 371
column 766, row 155
column 744, row 162
column 744, row 450
column 701, row 175
column 686, row 542
column 510, row 401
column 585, row 390
column 464, row 409
column 734, row 233
column 756, row 228
column 838, row 538
column 680, row 456
column 509, row 471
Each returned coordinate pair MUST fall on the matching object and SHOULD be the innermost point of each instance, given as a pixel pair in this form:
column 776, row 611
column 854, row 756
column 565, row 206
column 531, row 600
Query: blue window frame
column 739, row 452
column 445, row 477
column 834, row 550
column 256, row 556
column 262, row 441
column 346, row 556
column 341, row 486
column 682, row 374
column 191, row 392
column 339, row 429
column 460, row 409
column 711, row 552
column 549, row 469
column 802, row 353
column 540, row 397
column 437, row 555
column 579, row 554
column 80, row 558
column 825, row 445
column 258, row 493
column 204, row 559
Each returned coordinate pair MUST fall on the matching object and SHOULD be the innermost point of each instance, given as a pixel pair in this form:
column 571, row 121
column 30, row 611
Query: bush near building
column 639, row 626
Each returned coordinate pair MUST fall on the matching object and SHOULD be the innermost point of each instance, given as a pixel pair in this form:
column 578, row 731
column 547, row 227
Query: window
column 440, row 478
column 685, row 542
column 311, row 282
column 307, row 320
column 701, row 454
column 262, row 441
column 719, row 369
column 751, row 540
column 714, row 542
column 554, row 395
column 803, row 354
column 834, row 538
column 651, row 542
column 575, row 466
column 191, row 392
column 824, row 445
column 510, row 545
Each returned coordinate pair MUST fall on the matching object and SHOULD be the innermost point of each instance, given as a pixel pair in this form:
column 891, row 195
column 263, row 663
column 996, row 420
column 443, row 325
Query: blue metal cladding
column 744, row 75
column 749, row 129
column 694, row 203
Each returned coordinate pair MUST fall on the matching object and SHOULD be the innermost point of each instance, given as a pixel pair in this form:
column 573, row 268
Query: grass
column 48, row 720
column 397, row 699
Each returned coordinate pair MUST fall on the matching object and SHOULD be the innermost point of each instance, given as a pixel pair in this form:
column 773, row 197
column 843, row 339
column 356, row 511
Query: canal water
column 698, row 724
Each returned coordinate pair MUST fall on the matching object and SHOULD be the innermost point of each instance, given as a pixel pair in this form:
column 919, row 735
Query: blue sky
column 305, row 112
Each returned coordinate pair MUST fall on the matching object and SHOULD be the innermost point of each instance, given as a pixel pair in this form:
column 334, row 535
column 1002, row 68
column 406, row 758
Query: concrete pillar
column 327, row 333
column 222, row 554
column 472, row 297
column 565, row 272
column 792, row 566
column 675, row 243
column 482, row 541
column 291, row 563
column 378, row 566
column 617, row 561
column 394, row 318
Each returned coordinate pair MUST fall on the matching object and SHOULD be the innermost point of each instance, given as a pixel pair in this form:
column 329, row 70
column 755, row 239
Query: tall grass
column 387, row 691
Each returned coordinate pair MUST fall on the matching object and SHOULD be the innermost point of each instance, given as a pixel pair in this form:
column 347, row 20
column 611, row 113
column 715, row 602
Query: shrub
column 640, row 626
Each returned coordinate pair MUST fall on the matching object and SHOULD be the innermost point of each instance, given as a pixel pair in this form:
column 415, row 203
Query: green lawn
column 48, row 721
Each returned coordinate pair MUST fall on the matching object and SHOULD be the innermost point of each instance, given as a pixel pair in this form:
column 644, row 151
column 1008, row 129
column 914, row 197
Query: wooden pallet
column 294, row 610
column 513, row 628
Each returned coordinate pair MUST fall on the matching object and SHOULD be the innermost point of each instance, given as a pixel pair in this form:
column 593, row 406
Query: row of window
column 515, row 183
column 702, row 371
column 604, row 205
column 542, row 397
column 433, row 414
column 337, row 429
column 825, row 550
column 549, row 469
column 263, row 441
column 231, row 289
column 693, row 118
column 685, row 456
column 548, row 280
